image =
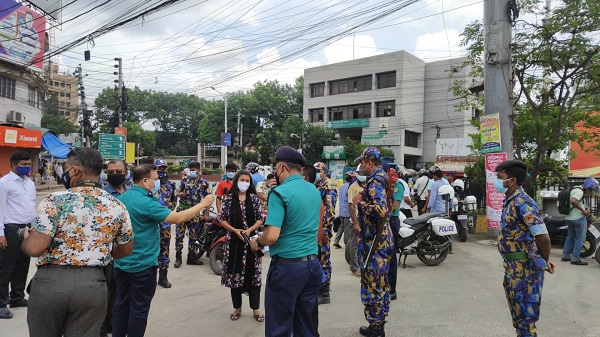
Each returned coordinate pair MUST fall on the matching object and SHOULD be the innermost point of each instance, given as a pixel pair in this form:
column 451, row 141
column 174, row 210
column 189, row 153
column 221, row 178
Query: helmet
column 252, row 167
column 160, row 162
column 434, row 168
column 590, row 184
column 411, row 173
column 350, row 174
column 422, row 172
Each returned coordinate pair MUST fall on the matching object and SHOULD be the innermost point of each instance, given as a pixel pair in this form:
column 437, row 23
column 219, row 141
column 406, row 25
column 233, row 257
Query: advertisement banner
column 490, row 133
column 130, row 153
column 121, row 131
column 494, row 199
column 18, row 137
column 225, row 139
column 22, row 35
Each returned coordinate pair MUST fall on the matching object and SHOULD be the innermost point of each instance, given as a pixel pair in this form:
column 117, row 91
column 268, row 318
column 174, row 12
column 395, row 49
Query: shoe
column 162, row 279
column 393, row 296
column 103, row 334
column 371, row 331
column 565, row 259
column 579, row 263
column 18, row 304
column 5, row 313
column 194, row 262
column 337, row 245
column 324, row 296
column 177, row 260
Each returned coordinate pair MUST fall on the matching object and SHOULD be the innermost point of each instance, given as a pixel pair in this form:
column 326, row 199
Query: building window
column 67, row 104
column 61, row 103
column 67, row 113
column 386, row 109
column 68, row 95
column 56, row 84
column 68, row 86
column 357, row 111
column 316, row 115
column 62, row 94
column 386, row 80
column 411, row 139
column 7, row 87
column 32, row 96
column 475, row 114
column 317, row 89
column 41, row 100
column 62, row 84
column 355, row 84
column 62, row 113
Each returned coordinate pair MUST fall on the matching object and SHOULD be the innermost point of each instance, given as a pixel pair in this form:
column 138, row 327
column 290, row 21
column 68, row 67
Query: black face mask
column 66, row 180
column 116, row 179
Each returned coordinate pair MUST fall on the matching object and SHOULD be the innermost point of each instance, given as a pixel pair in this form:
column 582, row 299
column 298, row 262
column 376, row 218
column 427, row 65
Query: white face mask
column 243, row 186
column 361, row 179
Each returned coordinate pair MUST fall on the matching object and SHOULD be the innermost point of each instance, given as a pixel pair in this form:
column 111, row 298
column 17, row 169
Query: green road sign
column 349, row 123
column 111, row 146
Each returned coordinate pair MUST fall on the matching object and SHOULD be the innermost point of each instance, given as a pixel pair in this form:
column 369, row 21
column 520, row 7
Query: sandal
column 258, row 317
column 356, row 273
column 236, row 315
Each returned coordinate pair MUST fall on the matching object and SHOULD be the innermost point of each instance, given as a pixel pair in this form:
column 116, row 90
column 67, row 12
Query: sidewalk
column 46, row 186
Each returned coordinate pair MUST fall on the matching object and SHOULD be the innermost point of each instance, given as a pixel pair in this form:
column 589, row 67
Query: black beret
column 289, row 155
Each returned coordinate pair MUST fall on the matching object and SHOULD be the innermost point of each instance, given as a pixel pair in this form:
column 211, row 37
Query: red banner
column 19, row 137
column 494, row 199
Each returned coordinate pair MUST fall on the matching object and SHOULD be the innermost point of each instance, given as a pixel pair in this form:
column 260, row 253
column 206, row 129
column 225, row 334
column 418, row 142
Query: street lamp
column 223, row 147
column 295, row 136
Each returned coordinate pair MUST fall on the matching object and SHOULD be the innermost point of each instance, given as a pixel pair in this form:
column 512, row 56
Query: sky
column 230, row 45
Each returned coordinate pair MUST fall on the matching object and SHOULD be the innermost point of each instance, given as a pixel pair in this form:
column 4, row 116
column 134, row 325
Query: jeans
column 132, row 303
column 575, row 238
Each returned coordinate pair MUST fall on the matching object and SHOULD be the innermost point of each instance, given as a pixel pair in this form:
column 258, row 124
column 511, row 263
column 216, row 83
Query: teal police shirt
column 296, row 213
column 146, row 215
column 398, row 196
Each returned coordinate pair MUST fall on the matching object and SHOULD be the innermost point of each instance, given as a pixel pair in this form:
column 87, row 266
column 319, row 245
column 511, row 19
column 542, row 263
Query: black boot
column 324, row 296
column 162, row 279
column 372, row 331
column 192, row 260
column 178, row 260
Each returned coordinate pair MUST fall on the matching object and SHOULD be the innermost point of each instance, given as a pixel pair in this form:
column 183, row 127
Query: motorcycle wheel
column 589, row 245
column 198, row 252
column 462, row 233
column 433, row 259
column 597, row 256
column 217, row 254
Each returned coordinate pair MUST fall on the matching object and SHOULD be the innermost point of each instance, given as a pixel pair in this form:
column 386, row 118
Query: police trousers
column 523, row 288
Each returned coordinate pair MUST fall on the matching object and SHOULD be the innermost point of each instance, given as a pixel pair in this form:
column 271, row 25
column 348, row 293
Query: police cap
column 289, row 155
column 320, row 166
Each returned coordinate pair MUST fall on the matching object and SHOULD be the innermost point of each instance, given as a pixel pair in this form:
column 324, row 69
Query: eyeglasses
column 115, row 172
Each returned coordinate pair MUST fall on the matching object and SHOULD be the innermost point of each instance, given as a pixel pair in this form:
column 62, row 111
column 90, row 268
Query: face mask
column 193, row 174
column 276, row 177
column 23, row 170
column 318, row 178
column 361, row 178
column 116, row 179
column 66, row 179
column 156, row 186
column 243, row 186
column 410, row 180
column 163, row 177
column 499, row 185
column 230, row 175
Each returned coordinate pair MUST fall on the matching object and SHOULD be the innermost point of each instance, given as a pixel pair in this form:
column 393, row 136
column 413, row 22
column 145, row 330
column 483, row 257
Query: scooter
column 558, row 231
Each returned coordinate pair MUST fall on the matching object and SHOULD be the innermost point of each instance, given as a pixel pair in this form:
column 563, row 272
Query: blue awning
column 54, row 145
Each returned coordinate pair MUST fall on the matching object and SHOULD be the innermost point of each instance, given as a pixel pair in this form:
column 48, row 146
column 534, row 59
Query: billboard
column 51, row 7
column 585, row 164
column 453, row 154
column 22, row 35
column 490, row 133
column 494, row 199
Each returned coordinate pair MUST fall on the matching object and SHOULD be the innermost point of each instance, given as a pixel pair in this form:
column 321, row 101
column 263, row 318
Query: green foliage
column 250, row 156
column 53, row 121
column 354, row 149
column 476, row 171
column 146, row 139
column 175, row 169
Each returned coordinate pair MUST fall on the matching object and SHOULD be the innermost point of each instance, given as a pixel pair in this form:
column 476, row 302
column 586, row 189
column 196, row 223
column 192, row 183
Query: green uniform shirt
column 398, row 196
column 146, row 215
column 297, row 215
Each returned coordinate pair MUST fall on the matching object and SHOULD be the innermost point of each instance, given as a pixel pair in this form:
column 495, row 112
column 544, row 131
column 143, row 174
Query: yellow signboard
column 130, row 153
column 490, row 133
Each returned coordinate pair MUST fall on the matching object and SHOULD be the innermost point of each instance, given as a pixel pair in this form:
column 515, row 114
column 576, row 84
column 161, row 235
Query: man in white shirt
column 420, row 190
column 17, row 211
column 406, row 204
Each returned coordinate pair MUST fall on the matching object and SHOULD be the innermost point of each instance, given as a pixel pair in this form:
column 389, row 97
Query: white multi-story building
column 22, row 95
column 393, row 100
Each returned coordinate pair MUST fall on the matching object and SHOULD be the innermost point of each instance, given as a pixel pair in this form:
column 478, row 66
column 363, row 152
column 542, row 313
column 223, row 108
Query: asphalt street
column 461, row 297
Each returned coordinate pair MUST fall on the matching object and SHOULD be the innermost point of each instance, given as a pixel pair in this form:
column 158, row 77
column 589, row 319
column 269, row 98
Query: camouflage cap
column 320, row 166
column 369, row 152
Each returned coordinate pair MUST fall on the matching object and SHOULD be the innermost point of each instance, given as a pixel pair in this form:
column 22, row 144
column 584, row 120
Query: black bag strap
column 423, row 190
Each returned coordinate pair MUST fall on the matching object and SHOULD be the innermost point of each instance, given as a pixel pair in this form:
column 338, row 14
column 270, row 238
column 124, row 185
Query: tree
column 250, row 156
column 146, row 139
column 557, row 81
column 53, row 121
column 354, row 149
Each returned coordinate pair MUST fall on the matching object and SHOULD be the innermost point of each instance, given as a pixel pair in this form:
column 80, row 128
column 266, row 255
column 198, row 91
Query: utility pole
column 120, row 89
column 498, row 82
column 86, row 123
column 239, row 144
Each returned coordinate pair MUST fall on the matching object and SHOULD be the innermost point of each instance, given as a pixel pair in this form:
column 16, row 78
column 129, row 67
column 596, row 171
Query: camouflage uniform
column 329, row 198
column 523, row 278
column 375, row 289
column 197, row 190
column 167, row 198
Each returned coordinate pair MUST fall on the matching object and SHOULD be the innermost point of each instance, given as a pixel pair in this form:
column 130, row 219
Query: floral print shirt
column 83, row 223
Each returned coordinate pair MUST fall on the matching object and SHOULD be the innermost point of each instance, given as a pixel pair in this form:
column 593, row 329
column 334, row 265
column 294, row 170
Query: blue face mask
column 499, row 185
column 318, row 177
column 230, row 175
column 156, row 187
column 23, row 170
column 193, row 174
column 361, row 179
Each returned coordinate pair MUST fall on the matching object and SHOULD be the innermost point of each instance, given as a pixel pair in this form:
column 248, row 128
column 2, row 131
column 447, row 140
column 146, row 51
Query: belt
column 515, row 256
column 298, row 259
column 51, row 266
column 184, row 206
column 17, row 225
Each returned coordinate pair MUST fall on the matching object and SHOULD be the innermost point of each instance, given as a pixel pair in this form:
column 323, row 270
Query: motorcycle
column 461, row 218
column 558, row 230
column 208, row 232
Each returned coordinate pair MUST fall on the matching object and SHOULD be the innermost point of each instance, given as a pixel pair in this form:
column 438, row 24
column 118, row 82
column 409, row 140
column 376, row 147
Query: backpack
column 564, row 200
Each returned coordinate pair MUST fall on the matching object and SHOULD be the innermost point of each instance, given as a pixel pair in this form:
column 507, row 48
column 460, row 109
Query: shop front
column 14, row 138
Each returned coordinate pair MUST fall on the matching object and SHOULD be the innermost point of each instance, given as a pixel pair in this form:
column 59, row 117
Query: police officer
column 375, row 243
column 292, row 224
column 167, row 198
column 525, row 247
column 328, row 197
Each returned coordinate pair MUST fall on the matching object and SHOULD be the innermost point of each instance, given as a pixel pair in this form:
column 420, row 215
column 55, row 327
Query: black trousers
column 407, row 212
column 253, row 294
column 420, row 205
column 14, row 266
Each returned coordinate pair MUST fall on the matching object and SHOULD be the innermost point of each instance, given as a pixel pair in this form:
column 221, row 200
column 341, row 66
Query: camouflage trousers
column 523, row 288
column 192, row 226
column 325, row 258
column 374, row 285
column 165, row 242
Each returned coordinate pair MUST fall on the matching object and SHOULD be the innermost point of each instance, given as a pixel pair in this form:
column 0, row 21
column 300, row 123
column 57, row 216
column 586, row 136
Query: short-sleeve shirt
column 295, row 209
column 575, row 214
column 196, row 190
column 344, row 211
column 263, row 189
column 257, row 178
column 221, row 187
column 404, row 204
column 83, row 222
column 353, row 190
column 399, row 193
column 146, row 215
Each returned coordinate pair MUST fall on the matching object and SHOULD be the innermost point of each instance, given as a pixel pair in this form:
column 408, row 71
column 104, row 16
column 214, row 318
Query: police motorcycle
column 428, row 235
column 461, row 218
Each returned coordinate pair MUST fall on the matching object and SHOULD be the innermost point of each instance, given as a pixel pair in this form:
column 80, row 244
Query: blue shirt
column 343, row 193
column 146, row 215
column 296, row 213
column 110, row 189
column 257, row 178
column 436, row 203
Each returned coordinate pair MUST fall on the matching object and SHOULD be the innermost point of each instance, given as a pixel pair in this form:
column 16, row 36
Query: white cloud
column 437, row 46
column 351, row 47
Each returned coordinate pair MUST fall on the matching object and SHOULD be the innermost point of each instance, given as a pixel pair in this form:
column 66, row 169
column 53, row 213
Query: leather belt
column 17, row 225
column 298, row 259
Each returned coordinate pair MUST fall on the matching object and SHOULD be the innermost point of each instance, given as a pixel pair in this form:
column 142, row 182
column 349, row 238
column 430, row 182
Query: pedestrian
column 254, row 169
column 344, row 211
column 242, row 214
column 224, row 186
column 351, row 244
column 399, row 195
column 59, row 173
column 135, row 275
column 577, row 221
column 420, row 190
column 192, row 190
column 76, row 234
column 329, row 198
column 295, row 273
column 406, row 203
column 168, row 199
column 375, row 243
column 263, row 188
column 17, row 211
column 436, row 203
column 524, row 244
